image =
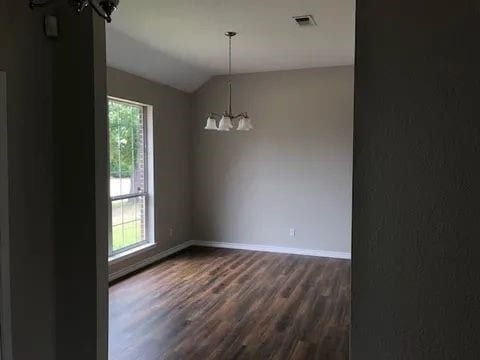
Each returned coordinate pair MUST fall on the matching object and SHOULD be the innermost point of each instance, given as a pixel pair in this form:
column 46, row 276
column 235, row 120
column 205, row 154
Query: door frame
column 5, row 306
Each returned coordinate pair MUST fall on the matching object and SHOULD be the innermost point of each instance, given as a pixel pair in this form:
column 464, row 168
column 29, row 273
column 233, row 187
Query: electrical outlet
column 170, row 232
column 293, row 232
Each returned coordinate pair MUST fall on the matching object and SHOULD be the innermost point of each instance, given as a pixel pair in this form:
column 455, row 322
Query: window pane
column 128, row 222
column 127, row 148
column 128, row 174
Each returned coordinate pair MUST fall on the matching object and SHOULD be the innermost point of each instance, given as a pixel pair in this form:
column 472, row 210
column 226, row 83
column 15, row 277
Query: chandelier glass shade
column 228, row 118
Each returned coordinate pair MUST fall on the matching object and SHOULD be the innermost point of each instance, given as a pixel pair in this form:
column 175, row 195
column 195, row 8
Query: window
column 131, row 190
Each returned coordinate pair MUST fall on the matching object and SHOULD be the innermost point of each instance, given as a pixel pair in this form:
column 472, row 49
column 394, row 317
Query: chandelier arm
column 99, row 12
column 80, row 4
column 34, row 4
column 103, row 9
column 215, row 115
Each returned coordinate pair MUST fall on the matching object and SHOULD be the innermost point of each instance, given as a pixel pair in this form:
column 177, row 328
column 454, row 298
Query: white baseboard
column 274, row 249
column 217, row 244
column 148, row 261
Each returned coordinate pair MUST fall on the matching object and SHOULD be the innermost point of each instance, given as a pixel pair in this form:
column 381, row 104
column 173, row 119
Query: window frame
column 148, row 191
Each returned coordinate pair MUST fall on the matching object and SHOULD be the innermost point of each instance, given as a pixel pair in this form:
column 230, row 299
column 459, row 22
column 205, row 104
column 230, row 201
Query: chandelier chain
column 230, row 76
column 230, row 56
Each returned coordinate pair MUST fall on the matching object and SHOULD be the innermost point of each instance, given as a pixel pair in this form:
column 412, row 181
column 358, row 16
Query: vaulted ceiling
column 181, row 43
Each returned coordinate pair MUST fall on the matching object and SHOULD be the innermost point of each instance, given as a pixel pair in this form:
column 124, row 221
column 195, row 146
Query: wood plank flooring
column 232, row 304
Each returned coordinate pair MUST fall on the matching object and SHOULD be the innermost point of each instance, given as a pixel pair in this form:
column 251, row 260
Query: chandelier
column 228, row 118
column 104, row 8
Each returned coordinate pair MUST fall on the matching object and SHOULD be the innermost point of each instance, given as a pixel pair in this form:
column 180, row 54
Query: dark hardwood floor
column 231, row 304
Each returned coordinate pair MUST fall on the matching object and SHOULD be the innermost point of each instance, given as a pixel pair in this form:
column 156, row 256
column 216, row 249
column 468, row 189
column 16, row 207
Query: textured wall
column 25, row 55
column 80, row 186
column 3, row 34
column 53, row 234
column 293, row 171
column 416, row 181
column 172, row 157
column 5, row 325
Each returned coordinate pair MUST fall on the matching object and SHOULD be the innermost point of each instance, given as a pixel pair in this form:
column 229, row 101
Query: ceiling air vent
column 305, row 20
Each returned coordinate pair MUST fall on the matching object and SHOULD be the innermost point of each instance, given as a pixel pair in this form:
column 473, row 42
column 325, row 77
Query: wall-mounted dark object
column 51, row 26
column 104, row 8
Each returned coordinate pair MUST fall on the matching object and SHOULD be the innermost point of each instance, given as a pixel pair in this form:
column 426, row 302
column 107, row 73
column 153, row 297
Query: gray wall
column 5, row 315
column 3, row 34
column 293, row 171
column 80, row 186
column 416, row 229
column 45, row 252
column 172, row 154
column 26, row 57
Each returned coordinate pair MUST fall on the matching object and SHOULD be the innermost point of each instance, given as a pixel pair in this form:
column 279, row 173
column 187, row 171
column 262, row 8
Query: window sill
column 130, row 253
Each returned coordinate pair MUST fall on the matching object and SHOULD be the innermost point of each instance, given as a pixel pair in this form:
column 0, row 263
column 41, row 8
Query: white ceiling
column 181, row 43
